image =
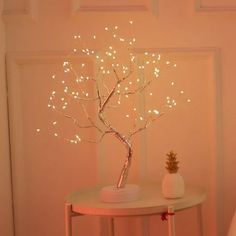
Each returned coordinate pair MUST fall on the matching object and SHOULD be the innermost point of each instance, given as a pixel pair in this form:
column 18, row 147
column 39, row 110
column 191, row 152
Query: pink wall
column 199, row 39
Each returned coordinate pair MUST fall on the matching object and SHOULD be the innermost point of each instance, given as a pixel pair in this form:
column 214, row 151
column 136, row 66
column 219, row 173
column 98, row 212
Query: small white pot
column 173, row 186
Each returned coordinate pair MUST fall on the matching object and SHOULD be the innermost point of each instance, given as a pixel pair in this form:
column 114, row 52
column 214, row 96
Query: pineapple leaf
column 172, row 163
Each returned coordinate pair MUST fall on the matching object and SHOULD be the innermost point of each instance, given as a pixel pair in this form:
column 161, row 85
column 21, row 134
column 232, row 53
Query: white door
column 196, row 35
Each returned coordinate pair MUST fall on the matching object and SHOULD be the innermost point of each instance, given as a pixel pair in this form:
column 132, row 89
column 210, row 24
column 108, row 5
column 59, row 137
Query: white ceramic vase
column 173, row 185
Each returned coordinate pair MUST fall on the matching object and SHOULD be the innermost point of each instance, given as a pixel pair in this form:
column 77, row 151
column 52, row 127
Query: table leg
column 171, row 221
column 68, row 228
column 111, row 227
column 145, row 225
column 200, row 221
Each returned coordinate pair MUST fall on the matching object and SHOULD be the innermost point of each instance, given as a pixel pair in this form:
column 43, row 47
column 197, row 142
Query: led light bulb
column 156, row 112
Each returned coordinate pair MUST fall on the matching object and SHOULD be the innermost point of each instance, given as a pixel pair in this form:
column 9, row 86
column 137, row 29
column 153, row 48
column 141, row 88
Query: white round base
column 113, row 194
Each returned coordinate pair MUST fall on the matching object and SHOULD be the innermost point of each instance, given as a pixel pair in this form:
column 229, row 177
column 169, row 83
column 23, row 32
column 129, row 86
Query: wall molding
column 27, row 12
column 200, row 7
column 6, row 194
column 113, row 8
column 47, row 57
column 77, row 7
column 18, row 59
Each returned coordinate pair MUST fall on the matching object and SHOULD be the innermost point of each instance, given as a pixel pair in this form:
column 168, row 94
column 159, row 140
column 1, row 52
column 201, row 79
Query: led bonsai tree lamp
column 116, row 79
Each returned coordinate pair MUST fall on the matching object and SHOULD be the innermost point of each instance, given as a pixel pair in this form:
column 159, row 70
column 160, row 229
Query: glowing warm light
column 156, row 112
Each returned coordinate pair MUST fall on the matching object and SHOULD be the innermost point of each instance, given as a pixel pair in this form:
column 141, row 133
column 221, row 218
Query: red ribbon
column 164, row 215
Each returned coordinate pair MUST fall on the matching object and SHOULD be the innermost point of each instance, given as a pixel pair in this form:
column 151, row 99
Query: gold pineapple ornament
column 172, row 163
column 173, row 183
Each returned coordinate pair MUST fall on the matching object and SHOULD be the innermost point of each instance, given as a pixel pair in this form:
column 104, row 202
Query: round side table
column 151, row 202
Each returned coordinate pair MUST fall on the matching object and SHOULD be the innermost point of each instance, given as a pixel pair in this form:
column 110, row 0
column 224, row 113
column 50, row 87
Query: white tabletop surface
column 151, row 202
